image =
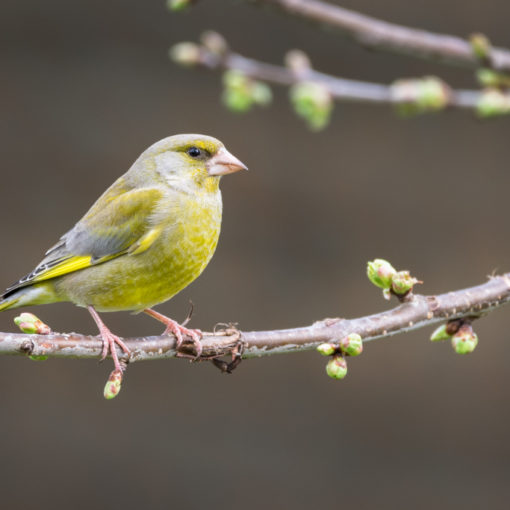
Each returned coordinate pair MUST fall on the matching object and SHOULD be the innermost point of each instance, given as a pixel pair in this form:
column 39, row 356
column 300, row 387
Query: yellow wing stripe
column 82, row 261
column 145, row 241
column 67, row 266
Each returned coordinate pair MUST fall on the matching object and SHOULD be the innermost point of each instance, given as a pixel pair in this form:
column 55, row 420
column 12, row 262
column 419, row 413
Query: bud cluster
column 350, row 345
column 415, row 96
column 383, row 275
column 313, row 102
column 493, row 102
column 241, row 93
column 464, row 340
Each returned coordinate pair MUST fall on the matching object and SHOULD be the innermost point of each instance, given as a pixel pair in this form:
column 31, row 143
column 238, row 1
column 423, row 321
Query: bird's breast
column 190, row 229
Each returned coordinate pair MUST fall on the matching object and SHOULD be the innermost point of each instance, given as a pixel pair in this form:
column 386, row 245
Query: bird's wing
column 117, row 224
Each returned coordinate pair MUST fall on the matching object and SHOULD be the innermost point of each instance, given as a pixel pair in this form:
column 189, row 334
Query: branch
column 417, row 312
column 379, row 34
column 402, row 92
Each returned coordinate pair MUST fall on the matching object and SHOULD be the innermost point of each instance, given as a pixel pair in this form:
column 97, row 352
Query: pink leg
column 109, row 340
column 177, row 330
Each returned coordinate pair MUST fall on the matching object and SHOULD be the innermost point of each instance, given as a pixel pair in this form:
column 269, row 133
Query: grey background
column 85, row 88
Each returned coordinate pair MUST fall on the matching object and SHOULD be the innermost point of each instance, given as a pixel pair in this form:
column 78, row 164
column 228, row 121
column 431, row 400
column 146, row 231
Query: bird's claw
column 179, row 332
column 110, row 342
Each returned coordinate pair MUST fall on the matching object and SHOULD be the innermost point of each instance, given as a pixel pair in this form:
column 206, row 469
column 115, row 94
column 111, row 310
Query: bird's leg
column 109, row 341
column 177, row 330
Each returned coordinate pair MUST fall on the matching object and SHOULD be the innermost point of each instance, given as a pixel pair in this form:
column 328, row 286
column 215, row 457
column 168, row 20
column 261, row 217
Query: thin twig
column 378, row 34
column 418, row 312
column 341, row 89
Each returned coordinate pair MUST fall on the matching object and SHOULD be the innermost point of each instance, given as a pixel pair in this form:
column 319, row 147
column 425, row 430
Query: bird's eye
column 194, row 152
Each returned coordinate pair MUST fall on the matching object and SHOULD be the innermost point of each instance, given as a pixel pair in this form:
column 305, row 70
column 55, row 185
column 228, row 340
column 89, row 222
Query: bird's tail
column 26, row 296
column 7, row 303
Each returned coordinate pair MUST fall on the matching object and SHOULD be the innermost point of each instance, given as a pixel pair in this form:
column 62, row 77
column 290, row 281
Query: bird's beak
column 223, row 163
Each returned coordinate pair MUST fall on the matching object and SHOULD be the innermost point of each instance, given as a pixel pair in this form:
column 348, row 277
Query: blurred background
column 85, row 88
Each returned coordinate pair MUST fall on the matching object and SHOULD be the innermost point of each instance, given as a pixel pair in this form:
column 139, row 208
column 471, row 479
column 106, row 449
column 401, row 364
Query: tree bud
column 380, row 272
column 352, row 345
column 336, row 367
column 326, row 349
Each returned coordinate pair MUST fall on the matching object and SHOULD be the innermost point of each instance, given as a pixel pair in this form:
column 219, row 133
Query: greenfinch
column 149, row 235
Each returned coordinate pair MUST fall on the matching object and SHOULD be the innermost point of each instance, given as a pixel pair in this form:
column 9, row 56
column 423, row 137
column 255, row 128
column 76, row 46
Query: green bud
column 241, row 92
column 440, row 333
column 30, row 324
column 326, row 349
column 465, row 340
column 380, row 272
column 113, row 385
column 422, row 95
column 480, row 45
column 178, row 5
column 313, row 102
column 402, row 282
column 337, row 367
column 185, row 54
column 491, row 78
column 493, row 102
column 352, row 345
column 261, row 93
column 38, row 358
column 27, row 327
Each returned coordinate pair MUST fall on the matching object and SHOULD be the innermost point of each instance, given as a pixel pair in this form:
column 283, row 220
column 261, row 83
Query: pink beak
column 223, row 163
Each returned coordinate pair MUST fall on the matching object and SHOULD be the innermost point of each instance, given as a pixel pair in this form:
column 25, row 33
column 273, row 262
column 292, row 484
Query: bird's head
column 193, row 162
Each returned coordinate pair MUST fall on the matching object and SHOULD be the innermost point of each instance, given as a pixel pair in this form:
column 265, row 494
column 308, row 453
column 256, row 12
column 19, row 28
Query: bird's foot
column 179, row 332
column 110, row 342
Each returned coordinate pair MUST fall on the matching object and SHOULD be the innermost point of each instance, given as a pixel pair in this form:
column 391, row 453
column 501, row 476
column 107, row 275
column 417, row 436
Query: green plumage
column 145, row 239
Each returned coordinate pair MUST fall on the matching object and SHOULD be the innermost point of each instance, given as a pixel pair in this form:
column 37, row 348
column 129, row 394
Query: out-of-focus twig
column 378, row 34
column 340, row 89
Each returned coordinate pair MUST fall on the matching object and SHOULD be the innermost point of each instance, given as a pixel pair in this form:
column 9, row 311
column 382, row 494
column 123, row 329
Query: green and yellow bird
column 149, row 235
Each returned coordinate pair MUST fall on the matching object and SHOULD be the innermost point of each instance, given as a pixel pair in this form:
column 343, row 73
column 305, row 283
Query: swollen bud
column 313, row 102
column 241, row 92
column 298, row 62
column 465, row 340
column 113, row 385
column 440, row 333
column 336, row 367
column 414, row 96
column 29, row 323
column 480, row 45
column 178, row 5
column 326, row 349
column 380, row 272
column 493, row 102
column 214, row 42
column 351, row 345
column 185, row 54
column 490, row 78
column 402, row 282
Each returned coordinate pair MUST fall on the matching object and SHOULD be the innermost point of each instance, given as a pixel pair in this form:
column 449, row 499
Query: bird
column 147, row 237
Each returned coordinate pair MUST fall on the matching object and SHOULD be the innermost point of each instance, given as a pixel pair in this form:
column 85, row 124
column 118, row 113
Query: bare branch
column 378, row 34
column 417, row 312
